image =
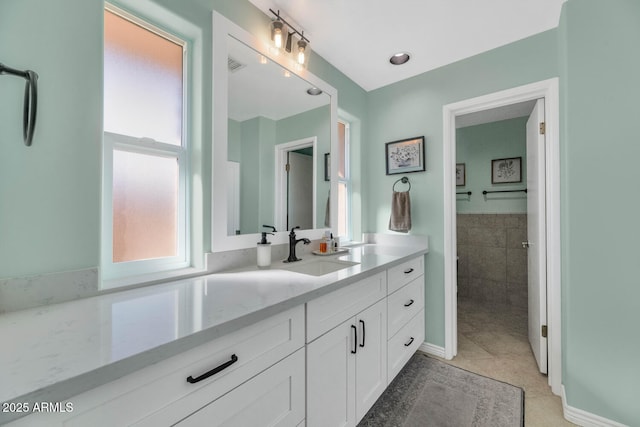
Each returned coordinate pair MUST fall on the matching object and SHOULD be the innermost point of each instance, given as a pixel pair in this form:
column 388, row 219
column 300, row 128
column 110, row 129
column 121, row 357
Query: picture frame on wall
column 505, row 171
column 405, row 156
column 461, row 176
column 327, row 166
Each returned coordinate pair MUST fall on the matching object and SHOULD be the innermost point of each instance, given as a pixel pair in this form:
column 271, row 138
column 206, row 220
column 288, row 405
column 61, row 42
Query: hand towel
column 400, row 212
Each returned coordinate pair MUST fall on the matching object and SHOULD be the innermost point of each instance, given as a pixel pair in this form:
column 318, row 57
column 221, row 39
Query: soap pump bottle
column 264, row 251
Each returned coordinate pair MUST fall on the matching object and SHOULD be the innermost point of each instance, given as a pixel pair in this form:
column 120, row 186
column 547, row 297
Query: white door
column 371, row 356
column 536, row 235
column 331, row 376
column 300, row 194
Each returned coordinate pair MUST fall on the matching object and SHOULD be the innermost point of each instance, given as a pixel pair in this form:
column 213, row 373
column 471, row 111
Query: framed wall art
column 506, row 170
column 405, row 156
column 460, row 175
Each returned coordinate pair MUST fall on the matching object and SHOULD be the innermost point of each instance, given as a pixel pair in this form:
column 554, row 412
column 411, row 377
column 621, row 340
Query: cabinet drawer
column 276, row 397
column 404, row 344
column 402, row 274
column 403, row 304
column 144, row 392
column 330, row 310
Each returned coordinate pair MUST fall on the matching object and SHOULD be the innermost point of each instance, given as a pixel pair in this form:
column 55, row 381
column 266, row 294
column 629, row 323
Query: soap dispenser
column 264, row 251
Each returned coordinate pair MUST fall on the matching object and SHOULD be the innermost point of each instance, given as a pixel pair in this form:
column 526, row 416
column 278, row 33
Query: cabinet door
column 371, row 356
column 273, row 398
column 331, row 378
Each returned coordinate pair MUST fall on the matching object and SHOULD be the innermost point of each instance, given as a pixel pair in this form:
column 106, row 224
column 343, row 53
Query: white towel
column 400, row 212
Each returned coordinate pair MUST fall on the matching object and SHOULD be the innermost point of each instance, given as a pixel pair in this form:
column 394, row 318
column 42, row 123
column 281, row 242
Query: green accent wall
column 413, row 107
column 476, row 147
column 600, row 65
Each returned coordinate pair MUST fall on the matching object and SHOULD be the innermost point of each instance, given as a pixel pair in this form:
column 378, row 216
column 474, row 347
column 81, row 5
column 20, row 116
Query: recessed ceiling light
column 400, row 58
column 314, row 91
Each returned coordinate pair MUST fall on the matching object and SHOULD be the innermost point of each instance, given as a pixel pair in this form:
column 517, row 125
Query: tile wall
column 492, row 264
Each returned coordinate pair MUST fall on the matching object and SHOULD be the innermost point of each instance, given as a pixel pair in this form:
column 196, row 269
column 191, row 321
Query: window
column 145, row 150
column 344, row 183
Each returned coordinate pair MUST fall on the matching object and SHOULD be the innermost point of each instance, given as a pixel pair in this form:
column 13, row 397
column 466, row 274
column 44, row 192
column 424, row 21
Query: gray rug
column 429, row 393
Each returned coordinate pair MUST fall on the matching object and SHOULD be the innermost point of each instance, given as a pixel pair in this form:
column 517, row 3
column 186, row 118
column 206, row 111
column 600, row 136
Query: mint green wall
column 601, row 308
column 413, row 107
column 50, row 192
column 476, row 146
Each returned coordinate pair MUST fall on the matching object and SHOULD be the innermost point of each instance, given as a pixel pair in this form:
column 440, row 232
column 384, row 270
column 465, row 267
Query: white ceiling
column 359, row 36
column 521, row 109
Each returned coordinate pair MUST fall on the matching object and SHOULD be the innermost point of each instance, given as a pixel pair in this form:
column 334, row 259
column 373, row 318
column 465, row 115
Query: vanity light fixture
column 400, row 58
column 278, row 26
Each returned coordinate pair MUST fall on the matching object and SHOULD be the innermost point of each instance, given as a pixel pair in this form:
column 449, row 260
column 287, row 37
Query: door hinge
column 543, row 128
column 544, row 331
column 287, row 167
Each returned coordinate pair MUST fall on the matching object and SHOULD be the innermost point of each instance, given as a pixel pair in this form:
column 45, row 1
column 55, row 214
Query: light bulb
column 276, row 33
column 302, row 45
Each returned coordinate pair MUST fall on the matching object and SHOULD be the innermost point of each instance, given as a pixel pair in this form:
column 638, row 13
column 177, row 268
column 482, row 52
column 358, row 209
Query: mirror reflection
column 278, row 134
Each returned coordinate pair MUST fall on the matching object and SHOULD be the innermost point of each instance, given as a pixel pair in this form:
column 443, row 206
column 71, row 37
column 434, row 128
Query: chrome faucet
column 292, row 245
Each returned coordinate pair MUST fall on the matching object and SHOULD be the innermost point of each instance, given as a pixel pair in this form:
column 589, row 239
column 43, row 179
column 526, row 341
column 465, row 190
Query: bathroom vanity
column 244, row 347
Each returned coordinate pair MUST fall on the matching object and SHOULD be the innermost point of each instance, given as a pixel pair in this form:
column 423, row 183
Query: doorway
column 295, row 174
column 547, row 90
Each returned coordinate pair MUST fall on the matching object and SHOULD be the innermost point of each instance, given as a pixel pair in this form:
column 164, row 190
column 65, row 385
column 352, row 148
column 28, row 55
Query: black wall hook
column 30, row 100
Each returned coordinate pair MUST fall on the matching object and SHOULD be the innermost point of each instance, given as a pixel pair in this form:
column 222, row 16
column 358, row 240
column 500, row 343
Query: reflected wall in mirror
column 275, row 119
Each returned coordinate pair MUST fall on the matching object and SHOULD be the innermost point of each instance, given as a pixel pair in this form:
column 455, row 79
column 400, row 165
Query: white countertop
column 54, row 352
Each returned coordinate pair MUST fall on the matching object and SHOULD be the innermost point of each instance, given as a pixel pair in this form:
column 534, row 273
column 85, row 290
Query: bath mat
column 430, row 393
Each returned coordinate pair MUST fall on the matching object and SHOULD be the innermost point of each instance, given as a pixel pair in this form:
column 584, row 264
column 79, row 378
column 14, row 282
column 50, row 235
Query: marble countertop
column 54, row 352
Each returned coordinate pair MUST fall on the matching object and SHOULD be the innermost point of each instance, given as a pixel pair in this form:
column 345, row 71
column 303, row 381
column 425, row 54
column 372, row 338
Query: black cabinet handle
column 408, row 271
column 409, row 343
column 355, row 339
column 362, row 343
column 409, row 303
column 214, row 371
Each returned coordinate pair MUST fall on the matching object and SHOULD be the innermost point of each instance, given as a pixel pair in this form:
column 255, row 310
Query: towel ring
column 404, row 180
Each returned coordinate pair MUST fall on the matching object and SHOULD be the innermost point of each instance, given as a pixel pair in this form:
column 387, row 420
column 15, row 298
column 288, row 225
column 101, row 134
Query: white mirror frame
column 220, row 241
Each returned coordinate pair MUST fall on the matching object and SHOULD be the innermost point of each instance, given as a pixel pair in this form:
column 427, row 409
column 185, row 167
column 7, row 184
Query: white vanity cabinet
column 347, row 364
column 266, row 358
column 405, row 305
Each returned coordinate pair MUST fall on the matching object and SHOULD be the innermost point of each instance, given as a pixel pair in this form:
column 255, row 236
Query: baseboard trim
column 432, row 349
column 584, row 418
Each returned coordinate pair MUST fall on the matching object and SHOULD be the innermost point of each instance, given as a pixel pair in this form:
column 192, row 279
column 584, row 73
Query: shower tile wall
column 492, row 265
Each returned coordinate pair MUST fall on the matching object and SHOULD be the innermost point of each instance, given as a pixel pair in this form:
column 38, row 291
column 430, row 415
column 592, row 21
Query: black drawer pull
column 214, row 371
column 408, row 271
column 355, row 339
column 409, row 343
column 362, row 343
column 409, row 303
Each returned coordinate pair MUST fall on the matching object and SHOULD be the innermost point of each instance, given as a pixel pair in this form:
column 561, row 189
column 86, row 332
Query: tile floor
column 492, row 341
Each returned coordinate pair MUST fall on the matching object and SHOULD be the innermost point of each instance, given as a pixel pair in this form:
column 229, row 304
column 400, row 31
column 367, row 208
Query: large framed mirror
column 272, row 127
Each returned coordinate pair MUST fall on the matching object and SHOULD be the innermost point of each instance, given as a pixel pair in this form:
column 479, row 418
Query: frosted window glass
column 342, row 149
column 145, row 206
column 142, row 82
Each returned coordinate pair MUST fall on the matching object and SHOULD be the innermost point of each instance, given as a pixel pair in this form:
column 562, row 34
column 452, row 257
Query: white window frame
column 131, row 272
column 347, row 179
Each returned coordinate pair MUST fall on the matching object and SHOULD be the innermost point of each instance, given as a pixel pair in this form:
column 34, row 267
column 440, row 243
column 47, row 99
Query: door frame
column 281, row 150
column 549, row 90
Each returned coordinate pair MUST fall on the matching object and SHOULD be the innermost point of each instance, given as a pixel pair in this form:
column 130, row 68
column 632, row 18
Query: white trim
column 432, row 349
column 281, row 150
column 220, row 241
column 584, row 418
column 549, row 90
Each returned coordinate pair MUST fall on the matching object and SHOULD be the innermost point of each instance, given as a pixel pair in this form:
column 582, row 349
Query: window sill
column 150, row 279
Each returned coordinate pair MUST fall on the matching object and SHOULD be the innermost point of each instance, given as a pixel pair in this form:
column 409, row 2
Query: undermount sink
column 319, row 267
